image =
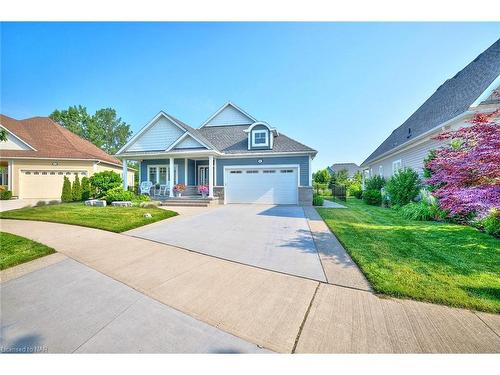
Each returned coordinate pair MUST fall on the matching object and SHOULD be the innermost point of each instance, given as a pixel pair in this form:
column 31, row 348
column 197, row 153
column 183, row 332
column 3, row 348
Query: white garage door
column 264, row 185
column 44, row 184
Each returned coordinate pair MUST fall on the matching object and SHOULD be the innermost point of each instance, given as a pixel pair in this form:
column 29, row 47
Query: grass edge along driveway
column 113, row 219
column 15, row 250
column 435, row 262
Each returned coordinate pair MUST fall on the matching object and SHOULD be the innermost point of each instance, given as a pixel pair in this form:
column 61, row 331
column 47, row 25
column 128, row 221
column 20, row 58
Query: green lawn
column 436, row 262
column 114, row 219
column 15, row 250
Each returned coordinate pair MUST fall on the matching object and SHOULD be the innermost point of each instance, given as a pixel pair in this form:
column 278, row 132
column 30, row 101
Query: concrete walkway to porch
column 279, row 312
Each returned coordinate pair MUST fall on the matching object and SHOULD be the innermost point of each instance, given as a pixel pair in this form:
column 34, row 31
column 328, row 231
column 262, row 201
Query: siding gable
column 230, row 115
column 14, row 143
column 189, row 142
column 158, row 137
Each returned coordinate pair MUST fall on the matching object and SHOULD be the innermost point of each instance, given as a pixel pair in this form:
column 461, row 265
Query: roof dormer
column 260, row 136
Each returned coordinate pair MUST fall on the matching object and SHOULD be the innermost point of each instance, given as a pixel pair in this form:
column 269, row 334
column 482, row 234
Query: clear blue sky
column 340, row 88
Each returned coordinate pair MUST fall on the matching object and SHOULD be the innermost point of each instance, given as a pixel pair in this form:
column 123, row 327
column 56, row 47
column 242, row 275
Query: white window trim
column 394, row 166
column 261, row 131
column 158, row 166
column 380, row 170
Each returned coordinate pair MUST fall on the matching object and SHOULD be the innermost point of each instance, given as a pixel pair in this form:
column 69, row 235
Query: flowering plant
column 179, row 188
column 465, row 174
column 203, row 189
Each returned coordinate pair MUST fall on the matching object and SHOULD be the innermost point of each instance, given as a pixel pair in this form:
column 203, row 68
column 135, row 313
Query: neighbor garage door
column 264, row 185
column 44, row 184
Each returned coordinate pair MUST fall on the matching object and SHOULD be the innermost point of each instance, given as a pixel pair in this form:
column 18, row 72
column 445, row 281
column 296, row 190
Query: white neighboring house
column 473, row 89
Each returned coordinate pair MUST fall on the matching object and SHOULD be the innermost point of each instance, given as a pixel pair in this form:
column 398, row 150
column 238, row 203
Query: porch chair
column 163, row 190
column 145, row 187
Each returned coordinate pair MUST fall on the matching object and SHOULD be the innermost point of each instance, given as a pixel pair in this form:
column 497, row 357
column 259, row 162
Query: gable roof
column 454, row 97
column 52, row 141
column 229, row 114
column 234, row 140
column 181, row 125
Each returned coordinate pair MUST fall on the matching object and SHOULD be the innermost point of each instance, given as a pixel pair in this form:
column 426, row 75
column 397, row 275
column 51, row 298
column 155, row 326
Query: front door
column 202, row 175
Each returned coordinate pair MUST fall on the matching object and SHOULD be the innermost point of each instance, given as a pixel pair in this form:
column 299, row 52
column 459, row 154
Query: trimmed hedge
column 5, row 195
column 372, row 197
column 318, row 200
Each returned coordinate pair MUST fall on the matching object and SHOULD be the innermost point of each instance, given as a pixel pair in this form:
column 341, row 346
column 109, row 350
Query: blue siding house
column 238, row 158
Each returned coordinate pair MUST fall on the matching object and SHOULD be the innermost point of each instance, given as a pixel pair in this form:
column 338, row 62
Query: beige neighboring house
column 474, row 89
column 38, row 154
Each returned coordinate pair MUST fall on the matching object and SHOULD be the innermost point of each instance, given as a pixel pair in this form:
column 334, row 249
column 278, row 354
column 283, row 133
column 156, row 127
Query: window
column 36, row 173
column 44, row 173
column 152, row 175
column 396, row 166
column 52, row 173
column 163, row 176
column 380, row 170
column 269, row 171
column 159, row 174
column 260, row 138
column 235, row 172
column 27, row 173
column 252, row 171
column 286, row 171
column 60, row 173
column 83, row 173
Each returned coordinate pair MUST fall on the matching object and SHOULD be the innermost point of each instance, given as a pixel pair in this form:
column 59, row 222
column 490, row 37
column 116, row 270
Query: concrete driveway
column 276, row 238
column 68, row 307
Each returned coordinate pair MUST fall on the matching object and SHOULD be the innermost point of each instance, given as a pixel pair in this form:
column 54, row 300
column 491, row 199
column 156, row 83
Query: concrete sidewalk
column 276, row 311
column 67, row 307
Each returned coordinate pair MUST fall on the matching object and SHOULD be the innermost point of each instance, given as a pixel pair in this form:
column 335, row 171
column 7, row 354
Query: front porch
column 166, row 171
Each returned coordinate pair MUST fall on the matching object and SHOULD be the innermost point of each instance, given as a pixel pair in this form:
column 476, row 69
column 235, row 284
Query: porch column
column 171, row 178
column 186, row 171
column 124, row 174
column 9, row 175
column 210, row 176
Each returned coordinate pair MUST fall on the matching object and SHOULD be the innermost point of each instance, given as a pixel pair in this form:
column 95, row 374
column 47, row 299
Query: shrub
column 66, row 195
column 373, row 197
column 358, row 193
column 40, row 203
column 421, row 211
column 320, row 188
column 76, row 190
column 491, row 223
column 318, row 200
column 5, row 195
column 375, row 183
column 403, row 187
column 118, row 194
column 85, row 188
column 53, row 202
column 102, row 182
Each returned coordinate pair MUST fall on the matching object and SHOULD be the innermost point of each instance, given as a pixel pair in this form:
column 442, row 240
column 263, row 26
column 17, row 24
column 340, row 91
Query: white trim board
column 18, row 138
column 224, row 107
column 147, row 126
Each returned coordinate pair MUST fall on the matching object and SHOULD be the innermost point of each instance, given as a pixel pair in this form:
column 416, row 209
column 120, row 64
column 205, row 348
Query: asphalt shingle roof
column 233, row 140
column 51, row 140
column 452, row 98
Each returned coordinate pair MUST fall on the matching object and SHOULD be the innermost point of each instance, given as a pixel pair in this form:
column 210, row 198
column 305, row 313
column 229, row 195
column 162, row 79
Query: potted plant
column 178, row 189
column 203, row 190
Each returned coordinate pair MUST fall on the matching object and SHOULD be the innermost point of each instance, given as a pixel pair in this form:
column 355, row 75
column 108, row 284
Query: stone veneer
column 305, row 195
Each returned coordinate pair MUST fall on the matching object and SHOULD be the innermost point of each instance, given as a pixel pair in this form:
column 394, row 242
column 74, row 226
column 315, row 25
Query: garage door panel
column 264, row 185
column 44, row 184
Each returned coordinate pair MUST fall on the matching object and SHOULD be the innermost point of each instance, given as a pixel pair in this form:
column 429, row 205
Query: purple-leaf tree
column 466, row 172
